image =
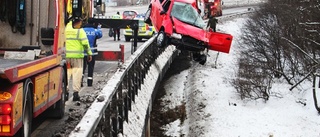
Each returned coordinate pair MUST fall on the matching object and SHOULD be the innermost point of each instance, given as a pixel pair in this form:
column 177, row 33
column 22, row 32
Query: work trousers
column 75, row 70
column 116, row 33
column 90, row 69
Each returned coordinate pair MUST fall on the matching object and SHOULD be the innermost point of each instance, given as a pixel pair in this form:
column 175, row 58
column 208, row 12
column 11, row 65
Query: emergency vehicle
column 212, row 8
column 145, row 30
column 33, row 75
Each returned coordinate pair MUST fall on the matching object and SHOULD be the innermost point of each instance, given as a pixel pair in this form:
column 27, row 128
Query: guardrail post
column 122, row 53
column 131, row 81
column 120, row 109
column 114, row 116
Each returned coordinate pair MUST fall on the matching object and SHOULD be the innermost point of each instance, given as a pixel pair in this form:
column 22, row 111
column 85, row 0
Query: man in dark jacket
column 93, row 33
column 212, row 23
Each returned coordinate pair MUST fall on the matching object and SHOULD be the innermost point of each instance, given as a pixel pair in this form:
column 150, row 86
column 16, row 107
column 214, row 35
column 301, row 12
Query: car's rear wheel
column 147, row 17
column 161, row 39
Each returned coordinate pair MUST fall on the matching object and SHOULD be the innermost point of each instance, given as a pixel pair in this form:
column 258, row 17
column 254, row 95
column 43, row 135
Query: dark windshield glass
column 186, row 13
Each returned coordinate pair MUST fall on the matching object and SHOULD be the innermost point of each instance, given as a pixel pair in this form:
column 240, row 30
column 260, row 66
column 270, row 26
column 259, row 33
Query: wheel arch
column 28, row 84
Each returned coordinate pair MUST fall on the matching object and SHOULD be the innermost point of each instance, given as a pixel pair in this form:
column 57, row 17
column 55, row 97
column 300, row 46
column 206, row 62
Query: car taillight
column 5, row 119
column 5, row 109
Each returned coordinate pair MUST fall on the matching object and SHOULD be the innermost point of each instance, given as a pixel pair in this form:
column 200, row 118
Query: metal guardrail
column 110, row 111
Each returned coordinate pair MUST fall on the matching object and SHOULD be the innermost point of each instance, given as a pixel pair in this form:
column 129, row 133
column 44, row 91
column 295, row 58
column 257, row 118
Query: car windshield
column 188, row 14
column 129, row 13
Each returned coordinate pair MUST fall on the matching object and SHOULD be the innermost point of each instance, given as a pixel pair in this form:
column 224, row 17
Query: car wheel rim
column 160, row 39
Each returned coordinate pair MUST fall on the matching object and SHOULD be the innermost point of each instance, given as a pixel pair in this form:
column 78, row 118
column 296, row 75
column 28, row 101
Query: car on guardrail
column 145, row 31
column 178, row 22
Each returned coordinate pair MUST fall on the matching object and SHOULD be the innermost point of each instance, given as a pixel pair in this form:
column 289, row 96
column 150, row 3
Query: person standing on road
column 212, row 23
column 76, row 43
column 116, row 31
column 93, row 33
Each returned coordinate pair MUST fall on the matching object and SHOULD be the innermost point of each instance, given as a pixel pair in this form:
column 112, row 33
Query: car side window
column 166, row 5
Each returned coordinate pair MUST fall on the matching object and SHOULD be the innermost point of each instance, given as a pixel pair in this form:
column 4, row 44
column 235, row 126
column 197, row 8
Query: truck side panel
column 39, row 13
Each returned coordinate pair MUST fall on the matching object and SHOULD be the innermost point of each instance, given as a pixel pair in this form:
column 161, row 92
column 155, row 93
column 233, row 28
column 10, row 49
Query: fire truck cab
column 212, row 8
column 33, row 75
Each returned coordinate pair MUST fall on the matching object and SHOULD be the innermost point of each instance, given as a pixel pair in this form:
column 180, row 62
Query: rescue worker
column 76, row 43
column 212, row 23
column 116, row 31
column 93, row 33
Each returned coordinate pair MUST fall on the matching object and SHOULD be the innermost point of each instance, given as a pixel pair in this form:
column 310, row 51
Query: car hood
column 190, row 30
column 215, row 40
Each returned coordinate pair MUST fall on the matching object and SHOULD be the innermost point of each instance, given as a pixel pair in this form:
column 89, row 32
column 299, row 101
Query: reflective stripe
column 72, row 38
column 89, row 77
column 78, row 34
column 93, row 53
column 73, row 51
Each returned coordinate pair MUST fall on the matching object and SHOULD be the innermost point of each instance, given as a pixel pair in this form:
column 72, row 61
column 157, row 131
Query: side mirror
column 47, row 36
column 77, row 8
column 163, row 12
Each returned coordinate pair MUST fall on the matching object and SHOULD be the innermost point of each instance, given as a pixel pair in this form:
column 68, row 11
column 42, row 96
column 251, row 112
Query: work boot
column 76, row 96
column 89, row 82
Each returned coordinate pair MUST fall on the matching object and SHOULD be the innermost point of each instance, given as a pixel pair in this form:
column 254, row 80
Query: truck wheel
column 161, row 39
column 57, row 110
column 147, row 17
column 25, row 130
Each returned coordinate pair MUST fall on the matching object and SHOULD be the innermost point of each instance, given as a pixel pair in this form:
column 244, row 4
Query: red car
column 179, row 22
column 129, row 14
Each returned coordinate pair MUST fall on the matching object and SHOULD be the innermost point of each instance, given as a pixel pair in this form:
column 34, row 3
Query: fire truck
column 33, row 73
column 212, row 8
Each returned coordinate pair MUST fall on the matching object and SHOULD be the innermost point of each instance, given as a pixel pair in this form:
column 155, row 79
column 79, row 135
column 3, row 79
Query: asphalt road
column 43, row 126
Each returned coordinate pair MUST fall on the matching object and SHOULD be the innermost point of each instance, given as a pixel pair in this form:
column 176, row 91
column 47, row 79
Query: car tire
column 147, row 17
column 203, row 59
column 161, row 39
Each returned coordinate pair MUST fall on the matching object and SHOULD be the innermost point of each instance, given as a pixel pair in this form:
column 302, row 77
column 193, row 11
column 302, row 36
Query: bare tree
column 281, row 40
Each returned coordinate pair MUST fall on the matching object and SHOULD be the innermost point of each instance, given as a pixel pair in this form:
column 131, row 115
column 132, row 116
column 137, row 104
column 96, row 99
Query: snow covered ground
column 214, row 109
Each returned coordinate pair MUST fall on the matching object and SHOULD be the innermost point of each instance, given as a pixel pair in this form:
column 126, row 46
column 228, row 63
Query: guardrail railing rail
column 110, row 110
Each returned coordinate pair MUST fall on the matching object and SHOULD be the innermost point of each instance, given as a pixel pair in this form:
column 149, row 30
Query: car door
column 166, row 17
column 155, row 13
column 219, row 41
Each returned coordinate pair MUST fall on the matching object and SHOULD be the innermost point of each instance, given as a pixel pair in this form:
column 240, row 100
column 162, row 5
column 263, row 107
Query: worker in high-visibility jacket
column 93, row 33
column 76, row 43
column 116, row 31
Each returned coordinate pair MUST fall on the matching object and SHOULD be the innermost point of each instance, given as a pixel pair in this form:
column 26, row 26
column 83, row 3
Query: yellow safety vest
column 76, row 42
column 116, row 16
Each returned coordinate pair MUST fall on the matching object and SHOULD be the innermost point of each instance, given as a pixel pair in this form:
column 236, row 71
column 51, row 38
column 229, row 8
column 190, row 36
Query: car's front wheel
column 161, row 39
column 147, row 17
